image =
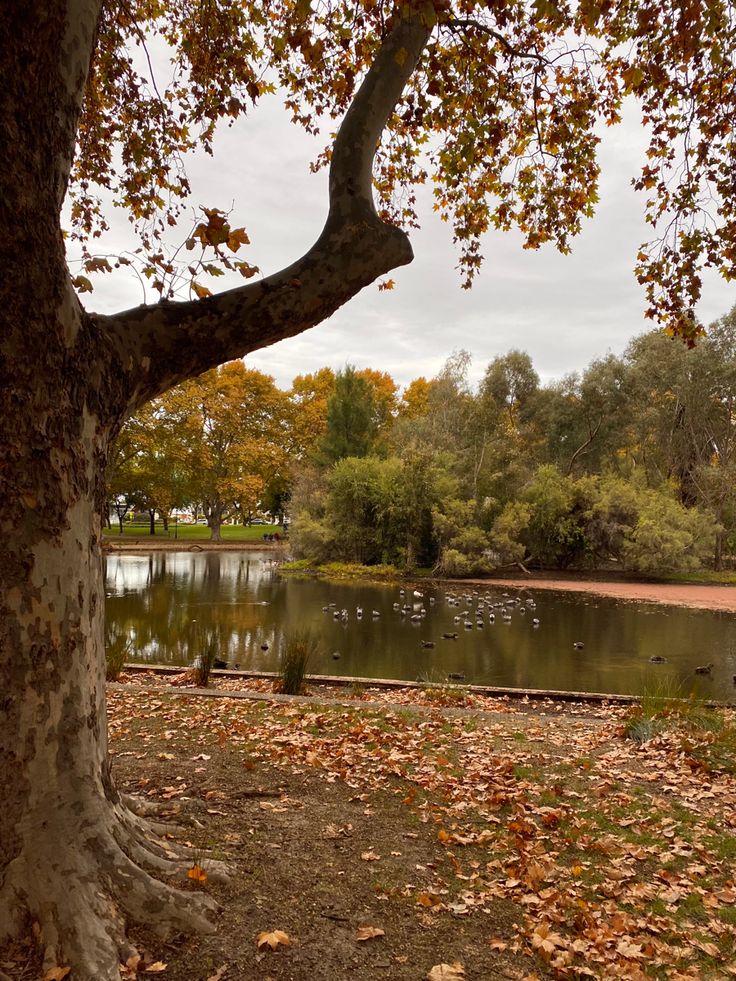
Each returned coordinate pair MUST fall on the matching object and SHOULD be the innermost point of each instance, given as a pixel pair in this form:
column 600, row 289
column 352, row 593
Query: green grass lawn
column 194, row 533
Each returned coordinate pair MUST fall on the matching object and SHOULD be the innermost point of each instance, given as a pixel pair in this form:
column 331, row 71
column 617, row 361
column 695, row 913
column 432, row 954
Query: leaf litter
column 515, row 841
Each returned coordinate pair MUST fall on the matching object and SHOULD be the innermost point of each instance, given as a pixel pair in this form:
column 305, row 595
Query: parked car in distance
column 259, row 521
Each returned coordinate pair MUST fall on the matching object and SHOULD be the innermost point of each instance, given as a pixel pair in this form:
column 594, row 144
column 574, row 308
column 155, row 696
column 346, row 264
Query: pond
column 167, row 602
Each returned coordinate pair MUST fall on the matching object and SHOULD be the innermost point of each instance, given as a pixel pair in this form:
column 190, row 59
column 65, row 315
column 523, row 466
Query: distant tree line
column 630, row 464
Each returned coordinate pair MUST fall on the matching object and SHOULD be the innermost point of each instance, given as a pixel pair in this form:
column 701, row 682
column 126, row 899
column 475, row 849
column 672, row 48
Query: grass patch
column 118, row 648
column 194, row 533
column 344, row 570
column 663, row 707
column 208, row 651
column 298, row 649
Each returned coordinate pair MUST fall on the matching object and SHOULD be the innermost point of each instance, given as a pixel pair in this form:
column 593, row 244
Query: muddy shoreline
column 703, row 596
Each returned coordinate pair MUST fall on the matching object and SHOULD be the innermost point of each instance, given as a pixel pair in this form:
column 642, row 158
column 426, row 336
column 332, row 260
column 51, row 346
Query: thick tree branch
column 161, row 345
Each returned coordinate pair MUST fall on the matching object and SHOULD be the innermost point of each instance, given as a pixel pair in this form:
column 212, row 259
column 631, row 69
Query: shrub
column 205, row 660
column 117, row 650
column 297, row 650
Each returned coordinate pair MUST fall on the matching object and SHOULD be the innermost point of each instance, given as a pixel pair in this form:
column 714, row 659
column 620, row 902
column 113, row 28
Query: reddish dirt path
column 703, row 597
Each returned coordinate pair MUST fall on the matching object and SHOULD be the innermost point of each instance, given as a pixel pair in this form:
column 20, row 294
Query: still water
column 166, row 602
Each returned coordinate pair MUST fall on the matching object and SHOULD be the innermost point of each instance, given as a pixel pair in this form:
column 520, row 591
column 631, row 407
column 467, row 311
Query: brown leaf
column 369, row 932
column 56, row 973
column 155, row 968
column 197, row 873
column 446, row 972
column 428, row 899
column 272, row 938
column 370, row 857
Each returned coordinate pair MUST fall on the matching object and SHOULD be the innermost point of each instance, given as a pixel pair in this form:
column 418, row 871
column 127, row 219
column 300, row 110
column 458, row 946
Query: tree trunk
column 74, row 858
column 151, row 521
column 718, row 552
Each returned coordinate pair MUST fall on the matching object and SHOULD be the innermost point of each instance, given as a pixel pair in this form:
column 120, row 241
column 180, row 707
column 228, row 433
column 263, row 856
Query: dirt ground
column 503, row 840
column 701, row 596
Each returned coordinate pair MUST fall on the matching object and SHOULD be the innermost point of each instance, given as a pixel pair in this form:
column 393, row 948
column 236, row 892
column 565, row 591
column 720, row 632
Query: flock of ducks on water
column 480, row 610
column 484, row 612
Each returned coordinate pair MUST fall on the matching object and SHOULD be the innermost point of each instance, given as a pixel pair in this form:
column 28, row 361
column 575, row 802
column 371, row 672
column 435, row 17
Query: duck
column 448, row 636
column 417, row 594
column 535, row 621
column 455, row 676
column 578, row 645
column 376, row 613
column 704, row 668
column 335, row 655
column 427, row 644
column 657, row 659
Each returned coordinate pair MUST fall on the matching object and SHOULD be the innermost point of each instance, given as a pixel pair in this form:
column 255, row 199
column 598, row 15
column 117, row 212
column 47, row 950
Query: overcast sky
column 563, row 310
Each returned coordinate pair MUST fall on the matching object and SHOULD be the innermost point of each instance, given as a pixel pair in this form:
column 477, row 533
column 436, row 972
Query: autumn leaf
column 386, row 284
column 545, row 941
column 197, row 873
column 272, row 939
column 56, row 973
column 201, row 291
column 246, row 270
column 370, row 857
column 369, row 932
column 156, row 968
column 236, row 238
column 81, row 284
column 446, row 972
column 428, row 899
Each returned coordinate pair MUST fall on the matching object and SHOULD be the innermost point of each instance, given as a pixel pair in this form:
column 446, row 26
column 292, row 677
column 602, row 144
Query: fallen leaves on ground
column 616, row 856
column 197, row 873
column 369, row 933
column 272, row 939
column 446, row 972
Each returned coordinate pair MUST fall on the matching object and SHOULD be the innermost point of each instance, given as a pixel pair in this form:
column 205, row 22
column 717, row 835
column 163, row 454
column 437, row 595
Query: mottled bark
column 73, row 856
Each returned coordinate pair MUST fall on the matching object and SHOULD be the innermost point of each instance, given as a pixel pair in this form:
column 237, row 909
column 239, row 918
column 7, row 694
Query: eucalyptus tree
column 507, row 97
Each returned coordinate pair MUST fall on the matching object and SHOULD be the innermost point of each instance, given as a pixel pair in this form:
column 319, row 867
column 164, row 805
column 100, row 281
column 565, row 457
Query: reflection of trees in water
column 166, row 602
column 181, row 599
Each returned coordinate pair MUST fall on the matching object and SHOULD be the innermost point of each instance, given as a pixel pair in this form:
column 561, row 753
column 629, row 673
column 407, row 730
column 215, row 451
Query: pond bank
column 183, row 545
column 703, row 596
column 695, row 595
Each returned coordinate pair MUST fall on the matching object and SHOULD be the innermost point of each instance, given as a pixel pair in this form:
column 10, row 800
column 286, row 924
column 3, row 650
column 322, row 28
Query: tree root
column 83, row 878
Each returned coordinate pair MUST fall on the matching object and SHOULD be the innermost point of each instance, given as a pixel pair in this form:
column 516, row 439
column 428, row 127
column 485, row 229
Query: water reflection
column 166, row 602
